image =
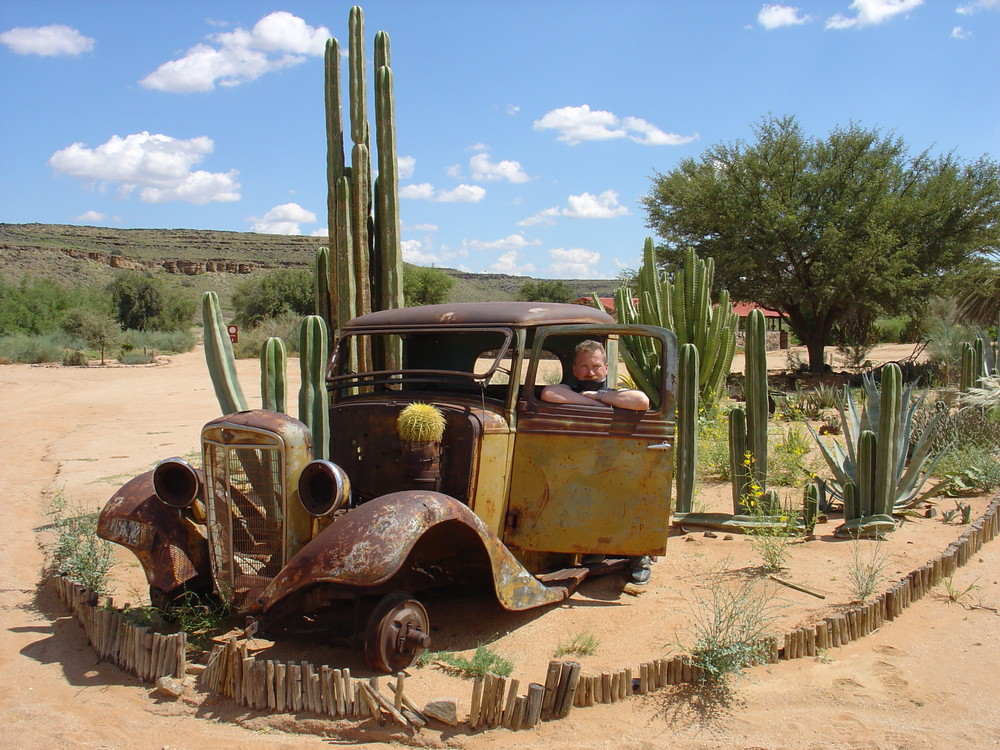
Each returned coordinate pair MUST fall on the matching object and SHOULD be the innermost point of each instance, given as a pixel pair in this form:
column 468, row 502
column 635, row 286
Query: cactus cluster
column 363, row 271
column 314, row 404
column 876, row 473
column 979, row 360
column 682, row 305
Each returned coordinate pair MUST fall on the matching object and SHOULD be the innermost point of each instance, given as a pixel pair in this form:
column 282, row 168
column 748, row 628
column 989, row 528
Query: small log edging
column 138, row 650
column 297, row 686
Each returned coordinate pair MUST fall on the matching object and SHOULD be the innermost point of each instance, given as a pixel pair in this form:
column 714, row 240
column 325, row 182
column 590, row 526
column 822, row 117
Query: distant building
column 772, row 317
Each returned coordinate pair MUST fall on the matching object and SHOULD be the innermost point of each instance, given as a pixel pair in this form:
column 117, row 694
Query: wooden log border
column 296, row 687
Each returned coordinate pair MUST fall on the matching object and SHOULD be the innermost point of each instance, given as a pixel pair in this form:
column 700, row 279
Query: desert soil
column 927, row 680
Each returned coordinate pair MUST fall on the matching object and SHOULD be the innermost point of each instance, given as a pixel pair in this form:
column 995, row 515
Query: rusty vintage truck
column 513, row 497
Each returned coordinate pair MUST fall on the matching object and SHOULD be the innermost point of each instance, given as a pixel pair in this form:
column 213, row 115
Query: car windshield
column 465, row 361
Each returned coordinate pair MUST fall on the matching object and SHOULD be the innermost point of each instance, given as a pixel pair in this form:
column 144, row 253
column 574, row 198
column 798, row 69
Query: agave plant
column 907, row 471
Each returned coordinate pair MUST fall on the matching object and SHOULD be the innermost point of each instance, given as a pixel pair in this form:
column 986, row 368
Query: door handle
column 664, row 446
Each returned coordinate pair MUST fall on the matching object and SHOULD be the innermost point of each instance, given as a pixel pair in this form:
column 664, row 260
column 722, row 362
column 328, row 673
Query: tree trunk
column 815, row 346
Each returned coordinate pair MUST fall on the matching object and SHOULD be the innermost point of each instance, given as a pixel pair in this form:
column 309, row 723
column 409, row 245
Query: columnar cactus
column 273, row 364
column 366, row 257
column 748, row 428
column 683, row 306
column 687, row 422
column 755, row 392
column 314, row 408
column 219, row 356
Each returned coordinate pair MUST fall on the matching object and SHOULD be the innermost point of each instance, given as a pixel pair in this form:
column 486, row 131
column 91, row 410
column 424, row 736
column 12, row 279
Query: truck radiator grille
column 245, row 519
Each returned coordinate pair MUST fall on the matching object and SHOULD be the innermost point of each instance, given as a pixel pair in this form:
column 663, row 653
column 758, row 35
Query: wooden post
column 536, row 695
column 552, row 680
column 508, row 711
column 476, row 703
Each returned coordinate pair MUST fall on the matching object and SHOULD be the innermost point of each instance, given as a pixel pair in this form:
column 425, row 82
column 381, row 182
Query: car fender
column 170, row 546
column 365, row 549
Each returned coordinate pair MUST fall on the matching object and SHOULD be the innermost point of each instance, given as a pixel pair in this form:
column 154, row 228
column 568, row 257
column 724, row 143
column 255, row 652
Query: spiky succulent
column 420, row 423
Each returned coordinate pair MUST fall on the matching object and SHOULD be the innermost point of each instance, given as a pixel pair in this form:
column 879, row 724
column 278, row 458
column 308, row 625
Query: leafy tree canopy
column 820, row 229
column 145, row 302
column 546, row 290
column 425, row 286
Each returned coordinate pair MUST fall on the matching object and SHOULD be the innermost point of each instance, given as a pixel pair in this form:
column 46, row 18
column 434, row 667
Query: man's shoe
column 639, row 572
column 592, row 559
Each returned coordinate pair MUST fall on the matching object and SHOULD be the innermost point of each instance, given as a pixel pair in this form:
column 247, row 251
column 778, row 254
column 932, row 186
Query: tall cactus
column 366, row 256
column 687, row 421
column 314, row 408
column 219, row 357
column 273, row 365
column 684, row 306
column 755, row 392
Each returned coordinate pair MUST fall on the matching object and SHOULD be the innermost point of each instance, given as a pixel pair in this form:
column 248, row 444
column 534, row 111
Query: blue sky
column 527, row 131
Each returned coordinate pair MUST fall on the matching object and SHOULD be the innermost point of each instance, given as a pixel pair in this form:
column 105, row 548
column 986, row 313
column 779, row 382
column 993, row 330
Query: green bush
column 166, row 342
column 37, row 306
column 269, row 294
column 285, row 327
column 145, row 302
column 425, row 286
column 971, row 469
column 546, row 290
column 35, row 349
column 77, row 552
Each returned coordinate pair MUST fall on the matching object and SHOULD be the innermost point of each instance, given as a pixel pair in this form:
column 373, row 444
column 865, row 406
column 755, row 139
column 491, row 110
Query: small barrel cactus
column 420, row 423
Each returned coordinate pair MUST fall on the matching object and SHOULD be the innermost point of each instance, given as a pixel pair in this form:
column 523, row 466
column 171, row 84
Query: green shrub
column 146, row 357
column 166, row 342
column 145, row 302
column 582, row 644
column 970, row 469
column 37, row 348
column 77, row 551
column 74, row 358
column 730, row 621
column 270, row 294
column 285, row 327
column 713, row 448
column 425, row 286
column 788, row 461
column 483, row 661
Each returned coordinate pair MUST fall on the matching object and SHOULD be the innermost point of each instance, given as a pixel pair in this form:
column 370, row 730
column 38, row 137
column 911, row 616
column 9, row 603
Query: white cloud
column 283, row 219
column 575, row 263
column 47, row 41
column 422, row 228
column 776, row 16
column 277, row 41
column 91, row 217
column 513, row 109
column 414, row 252
column 420, row 191
column 508, row 263
column 977, row 5
column 510, row 242
column 485, row 170
column 959, row 33
column 462, row 194
column 871, row 13
column 406, row 166
column 578, row 124
column 583, row 206
column 321, row 232
column 158, row 165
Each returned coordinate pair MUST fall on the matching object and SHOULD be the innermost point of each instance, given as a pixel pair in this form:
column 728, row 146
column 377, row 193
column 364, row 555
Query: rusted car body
column 513, row 496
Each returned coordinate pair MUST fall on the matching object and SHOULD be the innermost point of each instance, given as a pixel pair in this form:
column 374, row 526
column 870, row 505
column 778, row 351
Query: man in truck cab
column 590, row 370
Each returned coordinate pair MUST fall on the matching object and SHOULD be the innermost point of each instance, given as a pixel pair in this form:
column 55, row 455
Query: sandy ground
column 928, row 680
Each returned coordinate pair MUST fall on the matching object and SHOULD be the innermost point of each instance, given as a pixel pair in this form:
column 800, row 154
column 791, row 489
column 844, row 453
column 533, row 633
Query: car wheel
column 397, row 633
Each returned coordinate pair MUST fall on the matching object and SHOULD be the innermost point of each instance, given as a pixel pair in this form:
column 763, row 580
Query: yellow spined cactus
column 420, row 423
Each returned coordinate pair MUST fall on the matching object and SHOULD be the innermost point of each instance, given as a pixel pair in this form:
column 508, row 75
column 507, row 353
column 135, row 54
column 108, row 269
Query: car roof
column 517, row 314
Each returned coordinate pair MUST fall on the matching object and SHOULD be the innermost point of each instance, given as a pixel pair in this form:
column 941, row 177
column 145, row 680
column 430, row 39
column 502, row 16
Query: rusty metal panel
column 482, row 313
column 169, row 545
column 590, row 491
column 368, row 548
column 489, row 500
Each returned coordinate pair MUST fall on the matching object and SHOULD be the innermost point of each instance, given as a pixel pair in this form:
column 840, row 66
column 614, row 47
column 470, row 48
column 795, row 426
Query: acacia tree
column 824, row 229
